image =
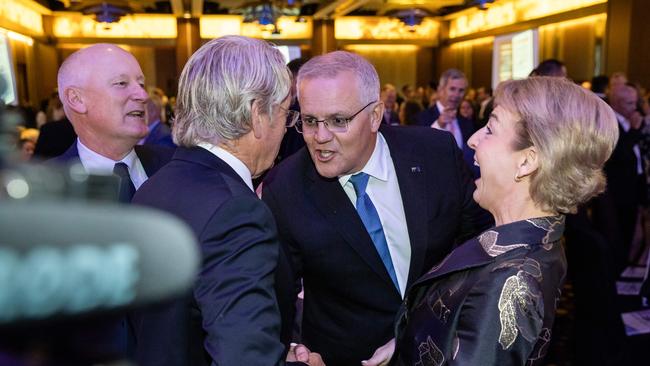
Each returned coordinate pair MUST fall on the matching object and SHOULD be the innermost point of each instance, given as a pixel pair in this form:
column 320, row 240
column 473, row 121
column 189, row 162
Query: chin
column 325, row 172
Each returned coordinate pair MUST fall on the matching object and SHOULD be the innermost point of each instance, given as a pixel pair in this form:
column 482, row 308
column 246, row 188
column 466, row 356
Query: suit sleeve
column 234, row 290
column 500, row 321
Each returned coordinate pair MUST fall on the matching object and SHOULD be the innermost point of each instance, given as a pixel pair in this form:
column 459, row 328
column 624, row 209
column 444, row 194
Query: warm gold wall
column 395, row 64
column 474, row 58
column 575, row 42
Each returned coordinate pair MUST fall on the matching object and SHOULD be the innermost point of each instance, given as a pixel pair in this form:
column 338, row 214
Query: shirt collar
column 95, row 163
column 237, row 165
column 440, row 107
column 377, row 165
column 622, row 121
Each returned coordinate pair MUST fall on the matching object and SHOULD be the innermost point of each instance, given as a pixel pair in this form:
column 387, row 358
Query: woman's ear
column 529, row 162
column 74, row 99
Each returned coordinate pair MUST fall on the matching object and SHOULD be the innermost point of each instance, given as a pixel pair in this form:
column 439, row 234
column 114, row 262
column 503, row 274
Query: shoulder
column 291, row 171
column 419, row 140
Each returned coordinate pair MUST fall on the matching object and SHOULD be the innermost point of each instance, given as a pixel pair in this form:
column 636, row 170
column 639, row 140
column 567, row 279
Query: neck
column 517, row 209
column 114, row 150
column 240, row 150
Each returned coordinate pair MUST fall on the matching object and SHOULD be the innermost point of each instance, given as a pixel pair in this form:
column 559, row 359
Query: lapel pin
column 416, row 169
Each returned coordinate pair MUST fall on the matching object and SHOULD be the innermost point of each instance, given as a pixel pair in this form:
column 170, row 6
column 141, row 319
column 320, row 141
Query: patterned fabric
column 490, row 302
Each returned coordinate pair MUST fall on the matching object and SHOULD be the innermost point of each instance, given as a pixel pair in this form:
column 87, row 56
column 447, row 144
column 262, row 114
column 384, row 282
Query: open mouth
column 138, row 114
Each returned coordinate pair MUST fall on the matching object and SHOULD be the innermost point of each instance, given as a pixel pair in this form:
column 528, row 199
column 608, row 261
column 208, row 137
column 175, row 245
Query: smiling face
column 498, row 161
column 339, row 153
column 114, row 97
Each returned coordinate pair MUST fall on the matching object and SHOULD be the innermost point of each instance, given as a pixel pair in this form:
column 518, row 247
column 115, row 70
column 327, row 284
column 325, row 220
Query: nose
column 139, row 93
column 472, row 142
column 322, row 135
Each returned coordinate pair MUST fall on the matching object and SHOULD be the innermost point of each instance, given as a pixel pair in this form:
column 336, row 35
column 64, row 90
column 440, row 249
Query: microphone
column 64, row 259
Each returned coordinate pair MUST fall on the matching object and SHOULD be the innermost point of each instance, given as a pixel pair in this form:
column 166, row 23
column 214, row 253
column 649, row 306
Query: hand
column 300, row 353
column 447, row 116
column 636, row 120
column 382, row 355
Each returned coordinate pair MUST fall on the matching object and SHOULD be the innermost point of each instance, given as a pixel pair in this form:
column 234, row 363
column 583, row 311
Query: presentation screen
column 514, row 56
column 290, row 52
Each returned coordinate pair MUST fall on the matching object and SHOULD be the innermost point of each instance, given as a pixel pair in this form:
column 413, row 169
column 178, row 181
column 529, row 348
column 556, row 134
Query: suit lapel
column 69, row 155
column 330, row 199
column 411, row 177
column 148, row 159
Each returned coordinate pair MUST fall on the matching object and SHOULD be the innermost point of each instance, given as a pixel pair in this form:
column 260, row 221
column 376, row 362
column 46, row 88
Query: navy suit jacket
column 161, row 134
column 55, row 137
column 151, row 157
column 231, row 317
column 430, row 115
column 350, row 300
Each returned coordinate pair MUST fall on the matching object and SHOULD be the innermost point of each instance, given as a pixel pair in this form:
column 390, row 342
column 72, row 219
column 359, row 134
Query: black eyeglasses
column 309, row 125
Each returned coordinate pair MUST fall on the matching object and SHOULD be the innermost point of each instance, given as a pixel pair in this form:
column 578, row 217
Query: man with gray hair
column 364, row 210
column 443, row 115
column 232, row 105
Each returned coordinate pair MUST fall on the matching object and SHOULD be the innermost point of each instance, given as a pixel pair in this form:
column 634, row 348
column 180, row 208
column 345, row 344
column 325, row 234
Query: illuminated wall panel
column 384, row 28
column 508, row 12
column 76, row 25
column 214, row 26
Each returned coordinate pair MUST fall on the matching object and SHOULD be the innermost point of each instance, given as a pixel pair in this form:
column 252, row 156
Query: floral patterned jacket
column 491, row 301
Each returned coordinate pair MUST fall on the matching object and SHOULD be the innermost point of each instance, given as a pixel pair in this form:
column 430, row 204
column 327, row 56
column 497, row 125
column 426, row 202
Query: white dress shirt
column 625, row 124
column 95, row 163
column 384, row 191
column 453, row 127
column 237, row 165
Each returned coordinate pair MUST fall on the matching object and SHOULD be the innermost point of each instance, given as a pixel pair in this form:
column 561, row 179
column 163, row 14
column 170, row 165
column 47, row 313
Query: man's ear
column 376, row 115
column 529, row 162
column 257, row 119
column 74, row 99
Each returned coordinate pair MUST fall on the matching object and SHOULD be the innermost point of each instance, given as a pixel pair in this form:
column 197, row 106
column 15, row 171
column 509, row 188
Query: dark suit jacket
column 430, row 115
column 350, row 300
column 161, row 134
column 151, row 157
column 490, row 302
column 615, row 211
column 232, row 317
column 54, row 139
column 393, row 120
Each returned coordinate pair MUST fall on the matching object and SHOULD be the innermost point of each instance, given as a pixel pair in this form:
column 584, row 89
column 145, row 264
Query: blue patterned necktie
column 127, row 189
column 371, row 221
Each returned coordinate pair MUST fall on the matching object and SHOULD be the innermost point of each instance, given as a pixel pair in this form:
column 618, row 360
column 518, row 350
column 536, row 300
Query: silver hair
column 450, row 74
column 219, row 84
column 331, row 64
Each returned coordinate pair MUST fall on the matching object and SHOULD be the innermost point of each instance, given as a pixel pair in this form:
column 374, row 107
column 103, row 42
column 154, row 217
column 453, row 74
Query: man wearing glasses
column 363, row 210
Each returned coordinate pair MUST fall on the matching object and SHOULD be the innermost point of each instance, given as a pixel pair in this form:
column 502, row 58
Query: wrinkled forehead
column 113, row 65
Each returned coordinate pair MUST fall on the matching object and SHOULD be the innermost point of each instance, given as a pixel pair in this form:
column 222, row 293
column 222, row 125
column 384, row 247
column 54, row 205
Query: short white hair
column 219, row 84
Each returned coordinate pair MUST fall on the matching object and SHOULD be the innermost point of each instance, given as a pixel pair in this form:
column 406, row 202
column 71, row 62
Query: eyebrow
column 493, row 115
